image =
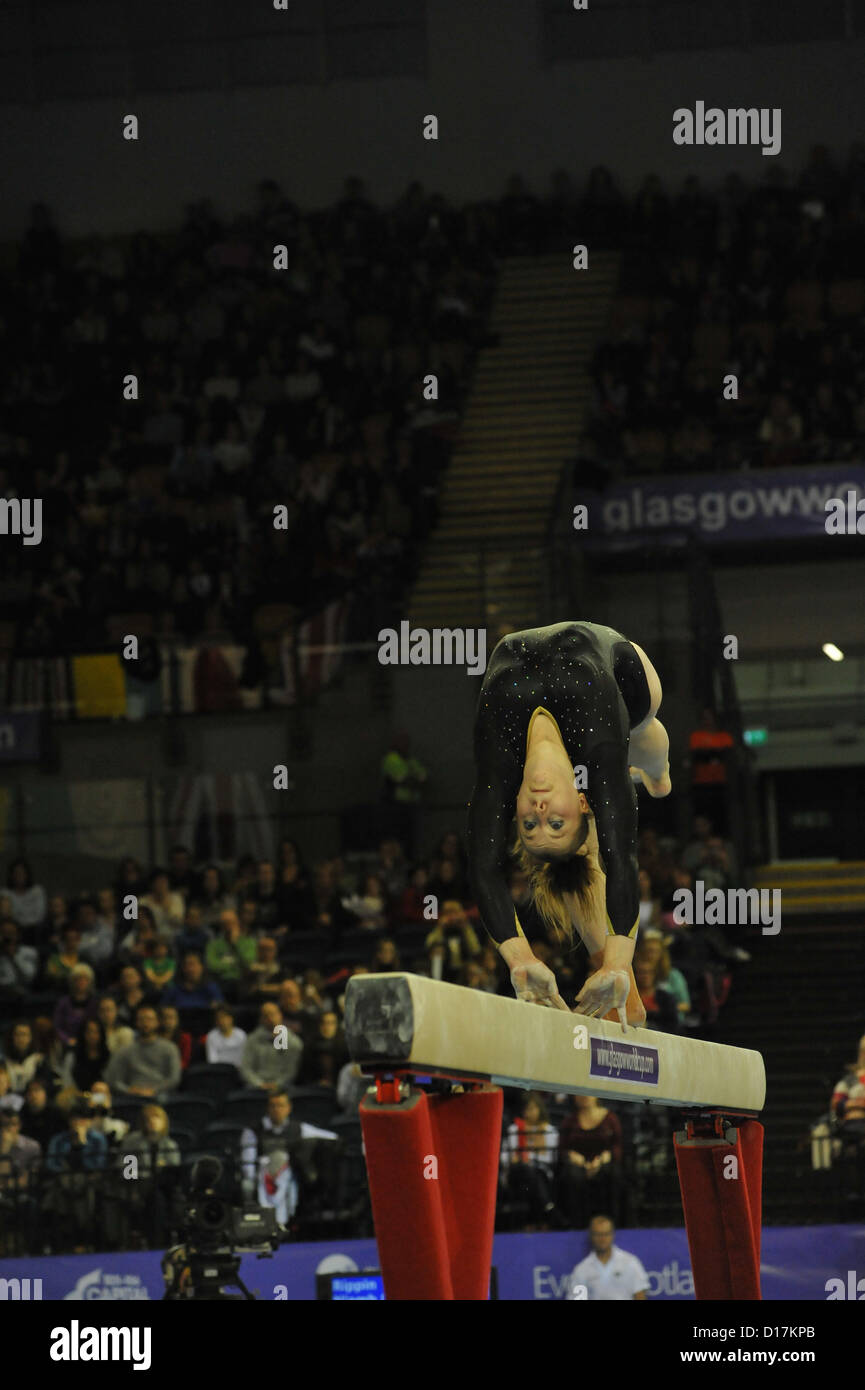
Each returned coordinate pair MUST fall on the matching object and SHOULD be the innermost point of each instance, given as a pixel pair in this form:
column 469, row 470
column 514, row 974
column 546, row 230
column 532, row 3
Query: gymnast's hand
column 535, row 983
column 604, row 991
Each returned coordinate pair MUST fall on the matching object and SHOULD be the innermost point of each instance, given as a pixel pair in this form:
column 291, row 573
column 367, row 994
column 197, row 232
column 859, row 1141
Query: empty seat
column 244, row 1106
column 212, row 1079
column 191, row 1111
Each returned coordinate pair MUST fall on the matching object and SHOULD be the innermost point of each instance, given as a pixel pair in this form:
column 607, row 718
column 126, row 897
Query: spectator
column 265, row 972
column 19, row 1155
column 325, row 1053
column 117, row 1034
column 230, row 955
column 224, row 1043
column 130, row 881
column 271, row 1059
column 75, row 1155
column 608, row 1273
column 18, row 964
column 56, row 919
column 447, row 882
column 61, row 964
column 385, row 956
column 279, row 1154
column 650, row 905
column 245, row 879
column 181, row 875
column 76, row 1147
column 22, row 1057
column 138, row 943
column 264, row 895
column 696, row 850
column 85, row 1064
column 452, row 942
column 652, row 951
column 129, row 994
column 294, row 898
column 166, row 905
column 100, row 1103
column 368, row 905
column 79, row 1004
column 193, row 936
column 170, row 1029
column 158, row 966
column 403, row 778
column 662, row 1014
column 848, row 1097
column 27, row 899
column 415, row 902
column 40, row 1118
column 391, row 867
column 151, row 1142
column 97, row 927
column 590, row 1148
column 529, row 1159
column 296, row 1015
column 9, row 1099
column 213, row 899
column 451, row 849
column 329, row 914
column 149, row 1066
column 191, row 990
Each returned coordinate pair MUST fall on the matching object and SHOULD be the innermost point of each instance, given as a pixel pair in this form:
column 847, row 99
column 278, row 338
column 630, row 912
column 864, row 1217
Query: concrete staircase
column 484, row 565
column 799, row 1003
column 815, row 887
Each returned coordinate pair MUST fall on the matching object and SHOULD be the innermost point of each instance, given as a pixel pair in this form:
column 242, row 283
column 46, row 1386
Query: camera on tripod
column 215, row 1236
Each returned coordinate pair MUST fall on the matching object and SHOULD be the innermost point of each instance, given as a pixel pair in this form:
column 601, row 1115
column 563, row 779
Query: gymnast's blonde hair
column 560, row 884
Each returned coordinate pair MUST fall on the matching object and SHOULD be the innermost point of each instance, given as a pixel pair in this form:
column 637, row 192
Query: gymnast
column 565, row 725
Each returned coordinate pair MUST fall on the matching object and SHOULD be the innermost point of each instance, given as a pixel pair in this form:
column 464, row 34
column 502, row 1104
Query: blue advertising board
column 799, row 1263
column 721, row 508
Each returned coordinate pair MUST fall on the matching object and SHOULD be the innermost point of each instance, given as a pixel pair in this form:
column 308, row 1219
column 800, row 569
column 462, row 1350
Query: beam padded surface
column 411, row 1023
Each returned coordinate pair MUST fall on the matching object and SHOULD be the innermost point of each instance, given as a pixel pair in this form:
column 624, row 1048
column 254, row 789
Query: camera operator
column 283, row 1157
column 452, row 943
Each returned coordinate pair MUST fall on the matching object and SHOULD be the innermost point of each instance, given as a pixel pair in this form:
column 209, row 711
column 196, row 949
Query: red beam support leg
column 433, row 1166
column 721, row 1185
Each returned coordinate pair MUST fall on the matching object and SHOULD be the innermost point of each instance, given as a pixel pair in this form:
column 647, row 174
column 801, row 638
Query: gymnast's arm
column 616, row 821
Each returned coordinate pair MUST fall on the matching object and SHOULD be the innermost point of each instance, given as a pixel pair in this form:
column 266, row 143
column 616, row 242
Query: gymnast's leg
column 649, row 746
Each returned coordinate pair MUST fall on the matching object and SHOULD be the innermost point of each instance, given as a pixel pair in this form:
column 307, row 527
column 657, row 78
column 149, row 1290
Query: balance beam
column 407, row 1023
column 433, row 1160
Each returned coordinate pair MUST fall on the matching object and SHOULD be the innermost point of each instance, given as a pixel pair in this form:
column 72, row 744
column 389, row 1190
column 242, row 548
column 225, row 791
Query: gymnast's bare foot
column 655, row 786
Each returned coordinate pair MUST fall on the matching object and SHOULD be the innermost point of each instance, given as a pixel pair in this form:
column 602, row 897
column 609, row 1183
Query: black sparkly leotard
column 590, row 679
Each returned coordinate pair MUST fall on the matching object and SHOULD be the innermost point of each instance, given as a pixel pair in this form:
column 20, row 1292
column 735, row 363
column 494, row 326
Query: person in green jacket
column 230, row 954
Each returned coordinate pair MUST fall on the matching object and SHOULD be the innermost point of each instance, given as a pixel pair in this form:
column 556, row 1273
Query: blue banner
column 769, row 504
column 799, row 1263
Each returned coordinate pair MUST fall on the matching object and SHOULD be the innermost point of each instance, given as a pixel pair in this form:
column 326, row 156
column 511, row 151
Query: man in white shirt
column 224, row 1043
column 608, row 1273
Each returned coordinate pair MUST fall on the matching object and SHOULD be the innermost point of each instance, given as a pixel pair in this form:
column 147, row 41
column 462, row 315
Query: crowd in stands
column 187, row 1010
column 300, row 387
column 303, row 387
column 760, row 281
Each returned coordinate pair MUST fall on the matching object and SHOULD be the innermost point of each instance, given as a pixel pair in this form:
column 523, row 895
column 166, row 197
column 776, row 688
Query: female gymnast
column 566, row 723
